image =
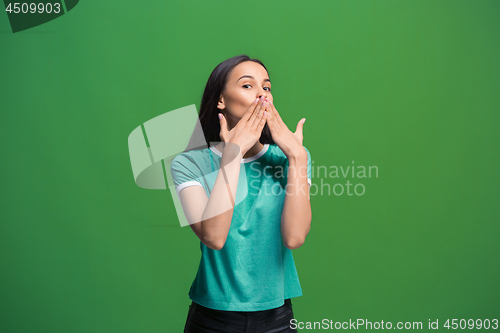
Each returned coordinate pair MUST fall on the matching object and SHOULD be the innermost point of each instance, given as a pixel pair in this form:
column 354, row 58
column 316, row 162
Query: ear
column 221, row 105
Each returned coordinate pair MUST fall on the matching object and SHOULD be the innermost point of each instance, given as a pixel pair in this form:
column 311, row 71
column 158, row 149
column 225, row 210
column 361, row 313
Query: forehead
column 249, row 68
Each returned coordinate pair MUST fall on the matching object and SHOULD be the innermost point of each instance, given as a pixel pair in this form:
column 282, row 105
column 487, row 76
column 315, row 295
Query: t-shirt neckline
column 248, row 159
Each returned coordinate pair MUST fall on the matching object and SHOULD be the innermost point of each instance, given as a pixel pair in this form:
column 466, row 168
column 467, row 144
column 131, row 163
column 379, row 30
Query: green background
column 411, row 87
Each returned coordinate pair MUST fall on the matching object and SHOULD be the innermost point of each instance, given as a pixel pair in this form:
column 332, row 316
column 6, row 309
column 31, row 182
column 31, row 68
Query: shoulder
column 191, row 155
column 191, row 160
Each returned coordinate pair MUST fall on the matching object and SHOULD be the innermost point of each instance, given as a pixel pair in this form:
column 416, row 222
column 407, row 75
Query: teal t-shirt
column 254, row 271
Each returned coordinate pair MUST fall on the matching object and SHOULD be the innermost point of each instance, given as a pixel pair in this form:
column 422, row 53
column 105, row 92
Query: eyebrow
column 251, row 77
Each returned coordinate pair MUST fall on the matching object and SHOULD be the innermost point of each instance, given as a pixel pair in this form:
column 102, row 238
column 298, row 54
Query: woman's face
column 247, row 81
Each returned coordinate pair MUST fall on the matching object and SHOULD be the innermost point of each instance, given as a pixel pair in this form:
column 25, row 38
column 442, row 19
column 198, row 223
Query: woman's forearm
column 217, row 216
column 296, row 215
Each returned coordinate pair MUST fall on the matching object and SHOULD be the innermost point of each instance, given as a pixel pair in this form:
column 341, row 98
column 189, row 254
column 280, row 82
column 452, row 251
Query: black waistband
column 237, row 316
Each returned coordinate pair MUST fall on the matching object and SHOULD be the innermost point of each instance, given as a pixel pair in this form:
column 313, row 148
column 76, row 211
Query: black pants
column 204, row 320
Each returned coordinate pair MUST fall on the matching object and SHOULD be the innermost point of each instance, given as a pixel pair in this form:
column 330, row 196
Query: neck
column 257, row 147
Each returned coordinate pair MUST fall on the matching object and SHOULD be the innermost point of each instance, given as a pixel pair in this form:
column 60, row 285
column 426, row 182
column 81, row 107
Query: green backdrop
column 411, row 87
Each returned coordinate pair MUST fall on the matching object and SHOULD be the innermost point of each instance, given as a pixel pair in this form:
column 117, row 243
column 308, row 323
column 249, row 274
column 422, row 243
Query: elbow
column 213, row 238
column 214, row 243
column 215, row 246
column 294, row 243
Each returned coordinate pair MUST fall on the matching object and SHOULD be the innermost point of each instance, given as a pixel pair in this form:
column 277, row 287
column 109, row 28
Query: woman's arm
column 210, row 217
column 296, row 215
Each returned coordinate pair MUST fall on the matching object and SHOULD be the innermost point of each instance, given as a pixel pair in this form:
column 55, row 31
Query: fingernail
column 256, row 101
column 304, row 120
column 261, row 98
column 271, row 102
column 220, row 115
column 264, row 104
column 265, row 113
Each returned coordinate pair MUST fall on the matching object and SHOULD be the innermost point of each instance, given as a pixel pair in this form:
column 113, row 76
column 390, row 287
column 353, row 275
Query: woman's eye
column 247, row 85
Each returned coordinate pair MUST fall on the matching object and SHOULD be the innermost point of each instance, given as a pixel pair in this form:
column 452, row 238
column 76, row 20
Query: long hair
column 216, row 84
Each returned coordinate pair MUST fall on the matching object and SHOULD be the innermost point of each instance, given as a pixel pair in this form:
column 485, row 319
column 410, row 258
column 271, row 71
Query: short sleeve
column 185, row 172
column 309, row 168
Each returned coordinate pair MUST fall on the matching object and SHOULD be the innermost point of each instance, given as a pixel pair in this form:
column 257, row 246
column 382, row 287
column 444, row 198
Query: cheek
column 246, row 98
column 243, row 101
column 239, row 104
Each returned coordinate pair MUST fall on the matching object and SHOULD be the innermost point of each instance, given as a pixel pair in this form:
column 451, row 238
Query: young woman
column 247, row 200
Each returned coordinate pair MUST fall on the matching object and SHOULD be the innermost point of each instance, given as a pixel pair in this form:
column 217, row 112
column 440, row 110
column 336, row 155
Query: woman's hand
column 290, row 143
column 249, row 128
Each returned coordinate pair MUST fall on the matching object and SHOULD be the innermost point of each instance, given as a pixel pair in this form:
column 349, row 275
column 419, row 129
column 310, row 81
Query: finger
column 300, row 126
column 263, row 120
column 250, row 110
column 271, row 118
column 276, row 113
column 258, row 108
column 260, row 119
column 258, row 113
